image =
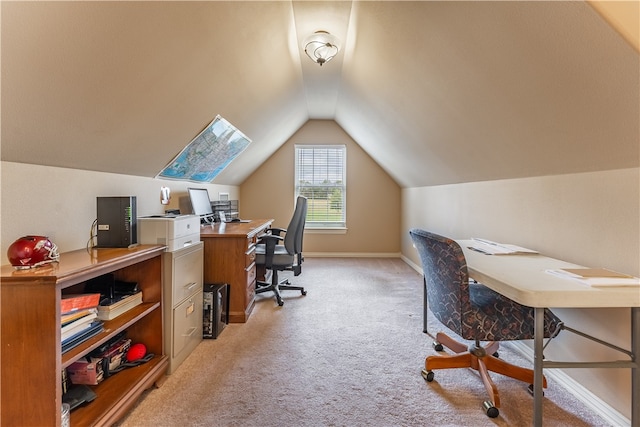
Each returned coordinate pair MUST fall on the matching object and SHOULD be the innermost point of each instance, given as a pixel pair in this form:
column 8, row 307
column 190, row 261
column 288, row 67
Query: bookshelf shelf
column 127, row 384
column 111, row 328
column 30, row 336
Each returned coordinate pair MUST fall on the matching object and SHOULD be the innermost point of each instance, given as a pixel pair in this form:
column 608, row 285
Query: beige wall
column 591, row 219
column 61, row 203
column 373, row 198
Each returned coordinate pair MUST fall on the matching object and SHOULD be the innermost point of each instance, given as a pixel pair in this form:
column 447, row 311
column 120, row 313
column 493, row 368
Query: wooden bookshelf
column 30, row 353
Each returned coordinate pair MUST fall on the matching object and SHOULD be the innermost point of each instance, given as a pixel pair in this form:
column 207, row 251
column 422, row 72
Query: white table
column 523, row 278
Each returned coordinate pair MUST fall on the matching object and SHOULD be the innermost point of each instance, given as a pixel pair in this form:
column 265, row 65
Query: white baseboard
column 412, row 264
column 352, row 254
column 576, row 389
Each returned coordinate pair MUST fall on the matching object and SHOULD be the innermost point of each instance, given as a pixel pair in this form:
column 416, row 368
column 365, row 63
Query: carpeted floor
column 347, row 354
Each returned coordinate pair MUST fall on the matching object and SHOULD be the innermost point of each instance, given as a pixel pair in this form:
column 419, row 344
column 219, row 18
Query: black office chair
column 286, row 256
column 474, row 312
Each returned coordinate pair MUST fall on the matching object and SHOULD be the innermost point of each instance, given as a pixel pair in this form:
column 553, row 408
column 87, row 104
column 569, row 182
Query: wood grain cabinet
column 182, row 302
column 32, row 361
column 229, row 257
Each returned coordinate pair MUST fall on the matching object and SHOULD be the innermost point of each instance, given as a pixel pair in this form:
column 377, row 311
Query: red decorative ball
column 137, row 351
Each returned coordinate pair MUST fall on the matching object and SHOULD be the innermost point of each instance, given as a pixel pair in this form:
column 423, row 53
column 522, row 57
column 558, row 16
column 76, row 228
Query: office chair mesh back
column 470, row 309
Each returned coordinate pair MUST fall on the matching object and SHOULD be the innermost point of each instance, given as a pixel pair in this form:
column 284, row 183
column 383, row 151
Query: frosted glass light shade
column 321, row 47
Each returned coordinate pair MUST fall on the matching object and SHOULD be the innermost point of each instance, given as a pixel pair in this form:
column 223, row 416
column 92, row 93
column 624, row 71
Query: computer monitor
column 201, row 204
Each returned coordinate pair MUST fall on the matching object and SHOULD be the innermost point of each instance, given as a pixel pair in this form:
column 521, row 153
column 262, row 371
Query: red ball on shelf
column 137, row 351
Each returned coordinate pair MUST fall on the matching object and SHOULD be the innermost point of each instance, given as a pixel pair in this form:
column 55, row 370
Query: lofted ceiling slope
column 436, row 92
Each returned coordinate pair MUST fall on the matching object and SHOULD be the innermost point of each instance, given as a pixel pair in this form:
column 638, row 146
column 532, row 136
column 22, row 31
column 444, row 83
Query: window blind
column 321, row 177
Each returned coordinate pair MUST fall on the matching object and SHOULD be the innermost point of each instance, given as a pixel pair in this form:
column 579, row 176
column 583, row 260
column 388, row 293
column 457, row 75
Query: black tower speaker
column 117, row 222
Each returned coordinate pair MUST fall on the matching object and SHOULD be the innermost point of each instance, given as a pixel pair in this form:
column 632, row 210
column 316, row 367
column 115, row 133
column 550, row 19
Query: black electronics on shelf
column 117, row 222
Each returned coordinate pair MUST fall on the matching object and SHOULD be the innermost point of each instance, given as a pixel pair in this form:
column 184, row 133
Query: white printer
column 174, row 231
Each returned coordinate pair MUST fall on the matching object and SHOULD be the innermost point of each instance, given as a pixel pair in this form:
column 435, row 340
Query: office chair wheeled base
column 481, row 359
column 277, row 287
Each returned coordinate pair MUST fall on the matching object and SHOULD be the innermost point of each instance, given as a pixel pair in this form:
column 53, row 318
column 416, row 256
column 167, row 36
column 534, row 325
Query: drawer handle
column 191, row 308
column 190, row 286
column 190, row 333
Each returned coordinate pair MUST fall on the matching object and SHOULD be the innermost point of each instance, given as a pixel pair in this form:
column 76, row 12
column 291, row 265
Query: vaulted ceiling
column 436, row 92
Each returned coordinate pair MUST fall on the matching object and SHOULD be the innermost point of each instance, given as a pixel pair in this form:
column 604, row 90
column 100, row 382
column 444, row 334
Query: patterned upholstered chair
column 474, row 312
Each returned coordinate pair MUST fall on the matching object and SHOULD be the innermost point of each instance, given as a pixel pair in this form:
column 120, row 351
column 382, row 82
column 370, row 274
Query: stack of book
column 79, row 320
column 110, row 308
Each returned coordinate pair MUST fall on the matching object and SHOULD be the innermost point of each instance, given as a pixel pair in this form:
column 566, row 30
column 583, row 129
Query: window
column 321, row 178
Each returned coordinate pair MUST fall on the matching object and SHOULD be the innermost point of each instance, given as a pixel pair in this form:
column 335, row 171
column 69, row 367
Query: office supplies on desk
column 223, row 218
column 492, row 248
column 596, row 277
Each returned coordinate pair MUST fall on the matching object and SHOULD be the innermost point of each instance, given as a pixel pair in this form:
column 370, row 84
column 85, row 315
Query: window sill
column 326, row 230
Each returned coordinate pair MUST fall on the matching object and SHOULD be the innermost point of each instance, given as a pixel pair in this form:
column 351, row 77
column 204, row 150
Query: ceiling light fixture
column 321, row 47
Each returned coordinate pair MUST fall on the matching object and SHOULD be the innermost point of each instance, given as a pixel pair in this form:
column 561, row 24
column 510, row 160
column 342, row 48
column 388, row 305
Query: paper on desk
column 492, row 248
column 596, row 277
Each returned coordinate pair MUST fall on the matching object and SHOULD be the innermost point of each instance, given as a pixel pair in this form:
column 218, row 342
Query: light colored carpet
column 347, row 354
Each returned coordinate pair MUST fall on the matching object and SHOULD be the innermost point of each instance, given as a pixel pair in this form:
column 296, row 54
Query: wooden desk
column 523, row 279
column 229, row 257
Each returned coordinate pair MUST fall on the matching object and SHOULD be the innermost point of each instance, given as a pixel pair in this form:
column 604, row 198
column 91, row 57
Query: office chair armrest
column 266, row 237
column 276, row 231
column 270, row 242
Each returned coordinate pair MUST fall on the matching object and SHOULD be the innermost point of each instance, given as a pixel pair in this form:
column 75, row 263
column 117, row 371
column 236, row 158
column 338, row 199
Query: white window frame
column 321, row 172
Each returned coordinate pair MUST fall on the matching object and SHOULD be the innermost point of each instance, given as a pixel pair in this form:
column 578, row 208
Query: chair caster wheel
column 491, row 411
column 530, row 388
column 437, row 346
column 427, row 375
column 280, row 302
column 303, row 292
column 496, row 355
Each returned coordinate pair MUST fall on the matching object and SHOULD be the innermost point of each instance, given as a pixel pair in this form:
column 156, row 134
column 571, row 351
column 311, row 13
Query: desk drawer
column 251, row 274
column 250, row 256
column 251, row 283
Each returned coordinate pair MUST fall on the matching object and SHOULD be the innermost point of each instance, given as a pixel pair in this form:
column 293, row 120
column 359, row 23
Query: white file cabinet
column 182, row 302
column 182, row 280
